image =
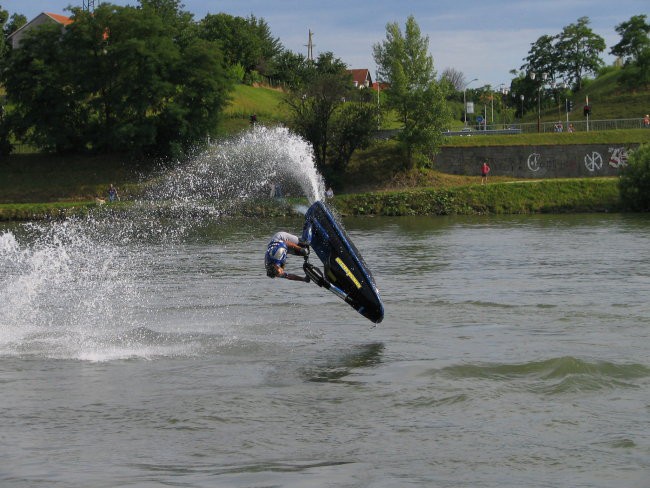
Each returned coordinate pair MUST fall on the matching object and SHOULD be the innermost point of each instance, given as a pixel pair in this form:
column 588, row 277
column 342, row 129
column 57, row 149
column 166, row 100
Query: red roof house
column 361, row 78
column 40, row 19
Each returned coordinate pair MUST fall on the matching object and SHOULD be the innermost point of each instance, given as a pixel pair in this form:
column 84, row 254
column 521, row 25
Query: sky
column 482, row 39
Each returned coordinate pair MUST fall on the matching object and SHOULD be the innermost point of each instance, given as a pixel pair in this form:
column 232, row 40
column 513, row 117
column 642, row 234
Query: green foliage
column 634, row 39
column 352, row 129
column 570, row 55
column 415, row 95
column 581, row 49
column 325, row 87
column 136, row 84
column 544, row 196
column 634, row 48
column 247, row 41
column 635, row 180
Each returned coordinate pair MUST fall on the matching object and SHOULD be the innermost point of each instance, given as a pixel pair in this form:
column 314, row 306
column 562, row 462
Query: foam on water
column 68, row 289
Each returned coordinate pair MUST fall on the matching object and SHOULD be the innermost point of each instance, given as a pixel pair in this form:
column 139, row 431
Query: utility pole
column 310, row 47
column 89, row 5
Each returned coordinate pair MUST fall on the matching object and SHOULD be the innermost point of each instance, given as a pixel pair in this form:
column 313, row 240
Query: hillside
column 607, row 98
column 266, row 103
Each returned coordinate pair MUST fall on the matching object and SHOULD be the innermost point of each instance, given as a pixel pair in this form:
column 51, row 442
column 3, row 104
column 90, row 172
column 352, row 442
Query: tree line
column 150, row 79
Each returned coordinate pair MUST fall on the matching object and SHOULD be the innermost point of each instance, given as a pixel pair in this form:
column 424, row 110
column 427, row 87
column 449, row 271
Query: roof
column 360, row 76
column 61, row 19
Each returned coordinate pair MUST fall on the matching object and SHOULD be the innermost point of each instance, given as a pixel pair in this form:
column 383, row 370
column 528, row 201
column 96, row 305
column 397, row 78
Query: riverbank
column 575, row 195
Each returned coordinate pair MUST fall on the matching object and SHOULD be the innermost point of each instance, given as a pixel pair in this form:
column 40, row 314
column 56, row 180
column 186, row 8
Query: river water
column 515, row 352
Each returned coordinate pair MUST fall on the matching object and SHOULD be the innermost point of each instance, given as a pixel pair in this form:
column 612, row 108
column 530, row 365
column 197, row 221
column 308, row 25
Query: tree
column 581, row 48
column 544, row 57
column 134, row 85
column 324, row 88
column 352, row 129
column 4, row 16
column 455, row 78
column 244, row 41
column 45, row 111
column 634, row 184
column 403, row 62
column 634, row 47
column 634, row 39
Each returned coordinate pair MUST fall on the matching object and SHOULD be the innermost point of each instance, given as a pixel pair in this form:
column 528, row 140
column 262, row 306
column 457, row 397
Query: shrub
column 634, row 184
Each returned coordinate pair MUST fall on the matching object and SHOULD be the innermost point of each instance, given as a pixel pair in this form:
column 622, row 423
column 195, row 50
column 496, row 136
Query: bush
column 634, row 184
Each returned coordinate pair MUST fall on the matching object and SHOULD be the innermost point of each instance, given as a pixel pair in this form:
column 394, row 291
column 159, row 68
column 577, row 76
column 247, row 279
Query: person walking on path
column 485, row 169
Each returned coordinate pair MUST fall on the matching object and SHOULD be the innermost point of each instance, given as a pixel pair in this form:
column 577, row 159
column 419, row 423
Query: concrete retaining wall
column 536, row 161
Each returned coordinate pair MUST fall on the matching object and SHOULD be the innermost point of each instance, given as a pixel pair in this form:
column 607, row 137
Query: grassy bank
column 517, row 197
column 523, row 197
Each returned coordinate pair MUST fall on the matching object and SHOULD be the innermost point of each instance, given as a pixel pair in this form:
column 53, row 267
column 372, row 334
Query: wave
column 554, row 376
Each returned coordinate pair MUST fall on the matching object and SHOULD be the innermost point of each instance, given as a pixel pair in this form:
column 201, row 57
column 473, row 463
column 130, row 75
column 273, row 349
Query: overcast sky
column 482, row 39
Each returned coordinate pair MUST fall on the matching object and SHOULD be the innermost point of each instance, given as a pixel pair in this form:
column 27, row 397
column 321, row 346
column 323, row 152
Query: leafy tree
column 324, row 88
column 352, row 129
column 544, row 57
column 634, row 47
column 291, row 69
column 581, row 49
column 635, row 180
column 245, row 41
column 46, row 112
column 4, row 16
column 403, row 61
column 634, row 39
column 16, row 21
column 180, row 22
column 134, row 84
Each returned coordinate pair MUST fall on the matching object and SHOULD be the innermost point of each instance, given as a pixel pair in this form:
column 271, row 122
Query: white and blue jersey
column 276, row 252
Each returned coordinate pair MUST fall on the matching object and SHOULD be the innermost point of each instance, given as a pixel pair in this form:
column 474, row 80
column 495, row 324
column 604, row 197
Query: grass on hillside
column 608, row 100
column 631, row 136
column 521, row 197
column 50, row 178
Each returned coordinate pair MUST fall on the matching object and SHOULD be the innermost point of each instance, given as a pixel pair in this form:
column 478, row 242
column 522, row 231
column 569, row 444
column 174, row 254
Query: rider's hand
column 304, row 251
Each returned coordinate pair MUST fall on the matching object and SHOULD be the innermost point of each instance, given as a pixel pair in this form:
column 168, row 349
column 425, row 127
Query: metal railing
column 581, row 125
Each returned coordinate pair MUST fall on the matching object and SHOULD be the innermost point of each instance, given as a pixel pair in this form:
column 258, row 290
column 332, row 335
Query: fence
column 578, row 125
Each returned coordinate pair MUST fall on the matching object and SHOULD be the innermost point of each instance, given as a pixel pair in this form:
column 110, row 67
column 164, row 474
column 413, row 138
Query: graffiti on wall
column 618, row 157
column 593, row 161
column 533, row 162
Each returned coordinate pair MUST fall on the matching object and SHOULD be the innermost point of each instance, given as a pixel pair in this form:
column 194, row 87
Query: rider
column 276, row 255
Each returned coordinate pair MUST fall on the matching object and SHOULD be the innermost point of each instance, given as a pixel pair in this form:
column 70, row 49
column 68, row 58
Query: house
column 361, row 78
column 45, row 17
column 377, row 86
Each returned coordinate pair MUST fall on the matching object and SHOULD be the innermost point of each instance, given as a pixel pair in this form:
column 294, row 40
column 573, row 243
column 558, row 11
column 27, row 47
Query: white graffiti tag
column 593, row 161
column 618, row 157
column 533, row 162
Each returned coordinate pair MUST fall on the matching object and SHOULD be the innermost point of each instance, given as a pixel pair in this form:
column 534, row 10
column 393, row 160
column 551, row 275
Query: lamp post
column 504, row 102
column 539, row 105
column 521, row 97
column 465, row 99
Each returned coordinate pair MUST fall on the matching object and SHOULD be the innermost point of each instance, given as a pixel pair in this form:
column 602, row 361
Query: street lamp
column 465, row 99
column 521, row 97
column 539, row 88
column 504, row 102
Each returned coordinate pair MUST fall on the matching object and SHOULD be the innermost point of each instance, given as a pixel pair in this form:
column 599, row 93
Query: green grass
column 49, row 178
column 608, row 100
column 631, row 136
column 523, row 197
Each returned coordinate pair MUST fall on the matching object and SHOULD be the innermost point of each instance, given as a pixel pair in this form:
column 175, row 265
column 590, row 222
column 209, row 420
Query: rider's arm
column 280, row 273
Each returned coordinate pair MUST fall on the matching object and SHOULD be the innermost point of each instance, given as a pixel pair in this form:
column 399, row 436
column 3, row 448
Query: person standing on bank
column 485, row 169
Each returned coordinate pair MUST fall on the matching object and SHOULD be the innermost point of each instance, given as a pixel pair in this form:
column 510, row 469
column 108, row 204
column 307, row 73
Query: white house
column 16, row 37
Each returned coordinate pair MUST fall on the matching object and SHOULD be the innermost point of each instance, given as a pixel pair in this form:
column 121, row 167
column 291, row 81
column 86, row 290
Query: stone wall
column 536, row 161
